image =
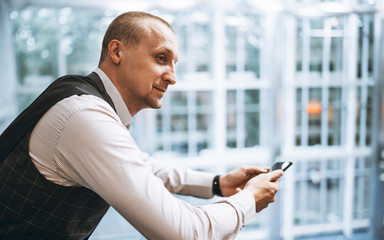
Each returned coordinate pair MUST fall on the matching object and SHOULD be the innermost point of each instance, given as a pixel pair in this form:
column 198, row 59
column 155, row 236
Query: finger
column 274, row 175
column 260, row 207
column 275, row 185
column 251, row 170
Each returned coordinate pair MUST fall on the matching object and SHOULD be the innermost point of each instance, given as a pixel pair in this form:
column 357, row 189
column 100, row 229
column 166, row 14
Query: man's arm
column 96, row 151
column 182, row 180
column 92, row 148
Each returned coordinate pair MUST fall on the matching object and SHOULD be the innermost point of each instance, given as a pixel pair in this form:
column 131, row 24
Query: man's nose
column 170, row 76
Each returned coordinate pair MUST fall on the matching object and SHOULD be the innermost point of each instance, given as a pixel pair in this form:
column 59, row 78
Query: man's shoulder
column 83, row 102
column 69, row 85
column 72, row 81
column 83, row 108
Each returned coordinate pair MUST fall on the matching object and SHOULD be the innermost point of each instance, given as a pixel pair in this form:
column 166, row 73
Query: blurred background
column 258, row 82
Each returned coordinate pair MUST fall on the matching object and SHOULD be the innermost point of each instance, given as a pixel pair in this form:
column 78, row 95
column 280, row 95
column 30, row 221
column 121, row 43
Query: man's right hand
column 264, row 188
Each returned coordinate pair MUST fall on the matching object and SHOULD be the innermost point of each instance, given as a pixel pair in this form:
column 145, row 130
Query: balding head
column 129, row 29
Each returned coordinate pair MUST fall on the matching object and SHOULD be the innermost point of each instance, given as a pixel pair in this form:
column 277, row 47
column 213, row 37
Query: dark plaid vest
column 32, row 207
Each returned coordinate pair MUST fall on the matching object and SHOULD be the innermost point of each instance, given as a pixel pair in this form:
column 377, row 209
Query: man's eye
column 161, row 59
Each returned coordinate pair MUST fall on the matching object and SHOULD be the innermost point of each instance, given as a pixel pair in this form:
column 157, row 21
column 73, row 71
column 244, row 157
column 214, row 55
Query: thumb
column 256, row 170
column 274, row 175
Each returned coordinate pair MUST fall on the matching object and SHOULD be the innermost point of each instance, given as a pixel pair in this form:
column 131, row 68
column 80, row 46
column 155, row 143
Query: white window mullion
column 289, row 126
column 351, row 125
column 361, row 187
column 219, row 69
column 191, row 56
column 326, row 77
column 240, row 118
column 192, row 132
column 264, row 93
column 304, row 196
column 240, row 50
column 166, row 125
column 365, row 80
column 323, row 191
column 305, row 90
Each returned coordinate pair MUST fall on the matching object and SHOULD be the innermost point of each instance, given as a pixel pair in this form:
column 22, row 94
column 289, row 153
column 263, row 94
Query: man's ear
column 114, row 50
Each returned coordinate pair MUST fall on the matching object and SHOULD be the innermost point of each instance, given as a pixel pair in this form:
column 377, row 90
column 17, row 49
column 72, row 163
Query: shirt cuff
column 201, row 184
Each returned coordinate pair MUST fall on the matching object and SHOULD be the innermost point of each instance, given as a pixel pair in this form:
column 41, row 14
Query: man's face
column 147, row 69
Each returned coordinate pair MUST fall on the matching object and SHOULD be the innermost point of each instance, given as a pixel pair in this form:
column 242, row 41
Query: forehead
column 159, row 36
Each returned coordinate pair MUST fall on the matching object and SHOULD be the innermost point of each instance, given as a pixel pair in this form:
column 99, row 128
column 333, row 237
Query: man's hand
column 264, row 188
column 234, row 181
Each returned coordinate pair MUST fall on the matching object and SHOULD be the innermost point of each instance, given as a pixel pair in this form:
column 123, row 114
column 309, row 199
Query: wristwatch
column 216, row 186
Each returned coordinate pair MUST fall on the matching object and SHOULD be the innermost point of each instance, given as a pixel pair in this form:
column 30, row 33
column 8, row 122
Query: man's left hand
column 234, row 181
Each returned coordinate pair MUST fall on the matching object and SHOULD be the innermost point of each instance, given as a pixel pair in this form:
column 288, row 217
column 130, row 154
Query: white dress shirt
column 82, row 141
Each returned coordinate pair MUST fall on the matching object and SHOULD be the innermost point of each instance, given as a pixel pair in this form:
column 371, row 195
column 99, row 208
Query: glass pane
column 159, row 121
column 335, row 110
column 81, row 40
column 201, row 42
column 180, row 147
column 178, row 99
column 252, row 96
column 244, row 41
column 252, row 123
column 369, row 121
column 365, row 66
column 364, row 116
column 231, row 129
column 314, row 110
column 204, row 98
column 231, row 32
column 35, row 38
column 336, row 60
column 334, row 206
column 179, row 123
column 362, row 189
column 299, row 45
column 254, row 44
column 231, row 118
column 313, row 197
column 253, row 55
column 318, row 182
column 316, row 53
column 252, row 117
column 194, row 35
column 299, row 116
column 203, row 122
column 35, row 41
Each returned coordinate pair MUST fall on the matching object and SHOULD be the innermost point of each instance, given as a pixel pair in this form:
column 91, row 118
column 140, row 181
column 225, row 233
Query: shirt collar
column 121, row 108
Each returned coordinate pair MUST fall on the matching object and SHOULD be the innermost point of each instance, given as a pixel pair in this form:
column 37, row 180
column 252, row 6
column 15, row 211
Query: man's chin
column 154, row 103
column 157, row 105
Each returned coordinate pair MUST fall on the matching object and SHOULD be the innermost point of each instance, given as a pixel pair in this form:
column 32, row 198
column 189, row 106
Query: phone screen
column 281, row 165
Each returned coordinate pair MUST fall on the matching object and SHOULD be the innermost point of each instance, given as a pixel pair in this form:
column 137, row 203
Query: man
column 69, row 156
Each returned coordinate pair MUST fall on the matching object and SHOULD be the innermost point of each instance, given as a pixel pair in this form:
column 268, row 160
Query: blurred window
column 255, row 85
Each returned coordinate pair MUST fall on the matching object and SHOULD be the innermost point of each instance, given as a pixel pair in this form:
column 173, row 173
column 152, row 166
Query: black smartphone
column 281, row 165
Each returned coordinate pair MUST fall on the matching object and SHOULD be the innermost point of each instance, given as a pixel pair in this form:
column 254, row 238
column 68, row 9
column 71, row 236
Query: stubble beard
column 153, row 102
